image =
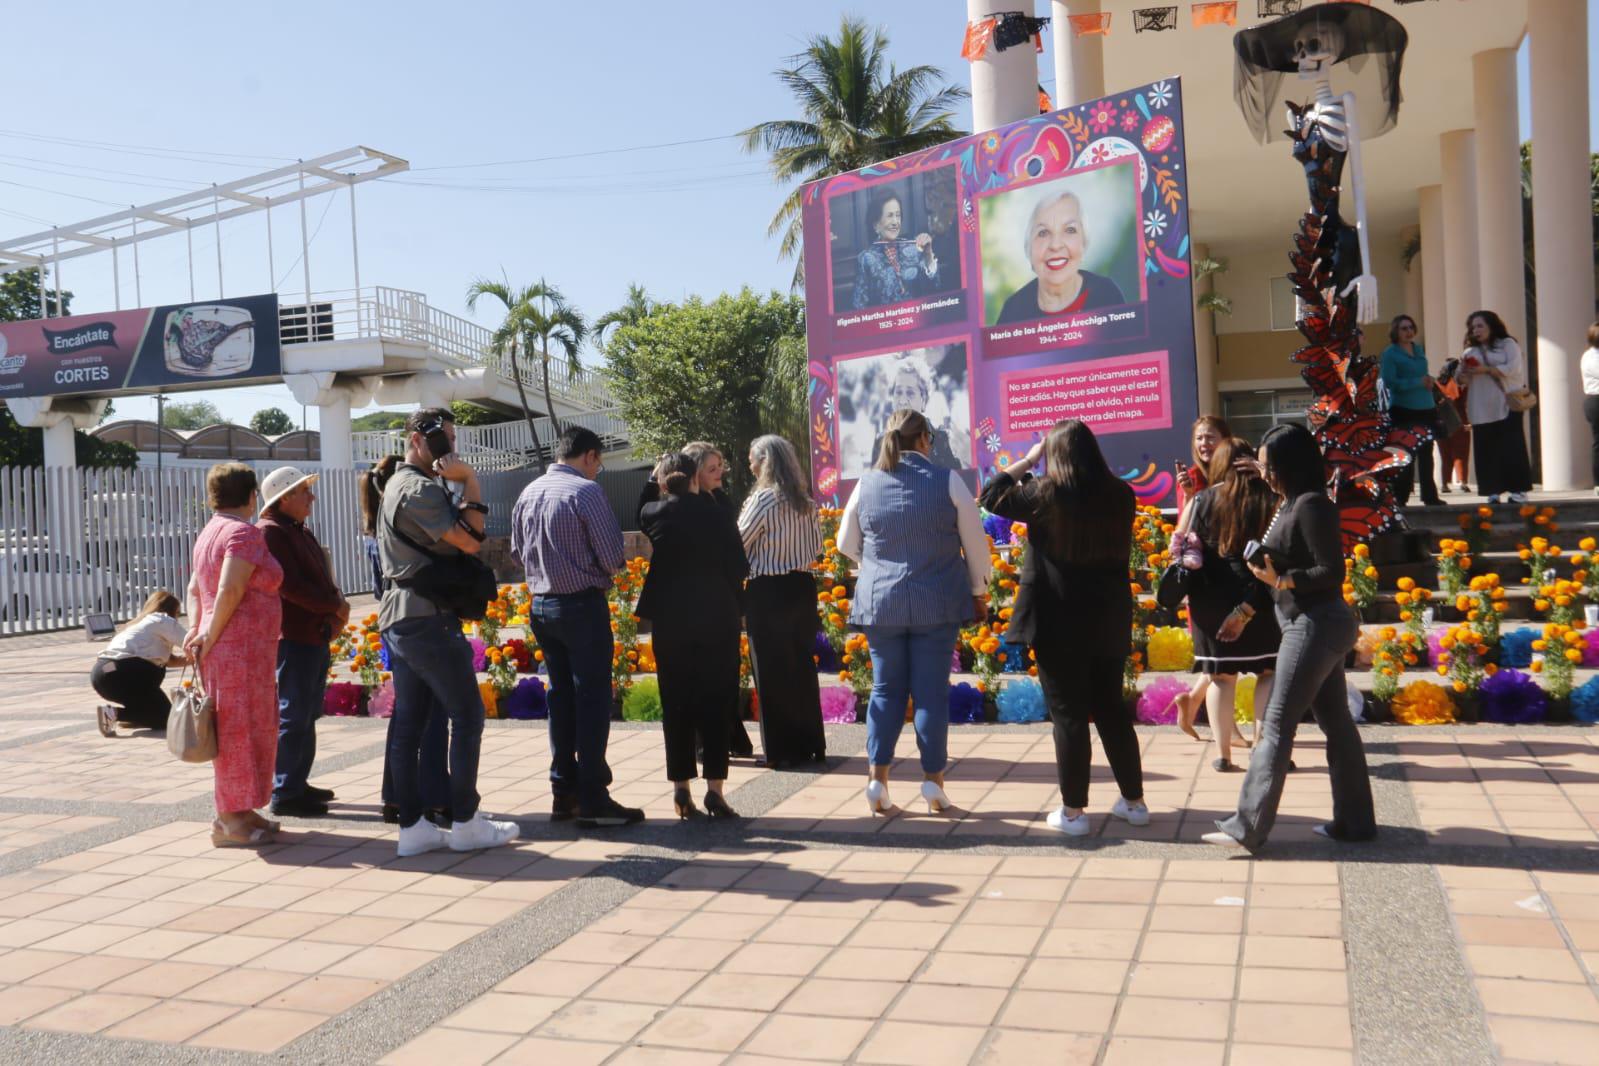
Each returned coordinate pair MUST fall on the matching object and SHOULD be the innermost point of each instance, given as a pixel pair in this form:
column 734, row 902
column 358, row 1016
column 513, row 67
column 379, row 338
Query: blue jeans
column 574, row 632
column 910, row 662
column 302, row 681
column 433, row 680
column 435, row 764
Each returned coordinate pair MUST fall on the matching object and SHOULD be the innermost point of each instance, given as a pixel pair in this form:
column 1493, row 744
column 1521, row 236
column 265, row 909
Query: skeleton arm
column 1365, row 286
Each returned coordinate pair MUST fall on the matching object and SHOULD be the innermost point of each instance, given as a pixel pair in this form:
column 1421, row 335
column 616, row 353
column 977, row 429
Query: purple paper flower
column 381, row 703
column 1512, row 698
column 342, row 699
column 527, row 700
column 480, row 655
column 1590, row 648
column 826, row 657
column 838, row 704
column 965, row 704
column 1155, row 702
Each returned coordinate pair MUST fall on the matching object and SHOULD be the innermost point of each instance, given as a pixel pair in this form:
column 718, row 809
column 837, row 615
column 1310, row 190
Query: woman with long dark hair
column 1301, row 560
column 692, row 599
column 130, row 671
column 1072, row 607
column 924, row 567
column 782, row 539
column 1234, row 629
column 1205, row 436
column 371, row 497
column 1493, row 367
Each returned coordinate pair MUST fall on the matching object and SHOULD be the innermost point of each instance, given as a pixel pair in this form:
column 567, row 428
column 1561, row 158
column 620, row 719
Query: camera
column 438, row 440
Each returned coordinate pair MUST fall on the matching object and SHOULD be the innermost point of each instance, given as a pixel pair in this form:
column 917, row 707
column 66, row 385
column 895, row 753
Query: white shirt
column 974, row 542
column 1590, row 372
column 778, row 538
column 151, row 638
column 1485, row 397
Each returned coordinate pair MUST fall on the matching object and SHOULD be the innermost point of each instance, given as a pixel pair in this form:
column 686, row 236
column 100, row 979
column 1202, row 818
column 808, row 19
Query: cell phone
column 1255, row 552
column 438, row 440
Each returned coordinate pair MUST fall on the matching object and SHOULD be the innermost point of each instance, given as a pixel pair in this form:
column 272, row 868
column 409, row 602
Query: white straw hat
column 281, row 482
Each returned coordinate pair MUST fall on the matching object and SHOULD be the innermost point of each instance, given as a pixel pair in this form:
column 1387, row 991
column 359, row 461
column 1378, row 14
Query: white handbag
column 192, row 723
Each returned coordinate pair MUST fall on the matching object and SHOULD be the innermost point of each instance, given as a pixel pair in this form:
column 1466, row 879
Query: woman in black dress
column 1233, row 625
column 692, row 597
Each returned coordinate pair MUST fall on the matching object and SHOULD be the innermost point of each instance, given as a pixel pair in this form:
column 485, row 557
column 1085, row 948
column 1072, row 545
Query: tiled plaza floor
column 811, row 932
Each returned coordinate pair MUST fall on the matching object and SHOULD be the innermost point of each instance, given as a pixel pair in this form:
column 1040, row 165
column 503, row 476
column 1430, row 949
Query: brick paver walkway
column 809, row 933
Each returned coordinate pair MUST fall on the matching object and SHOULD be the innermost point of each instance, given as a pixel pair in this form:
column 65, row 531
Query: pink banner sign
column 1118, row 395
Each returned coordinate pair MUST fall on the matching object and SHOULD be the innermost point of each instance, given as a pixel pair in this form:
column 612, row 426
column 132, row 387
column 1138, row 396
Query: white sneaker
column 1224, row 840
column 1062, row 822
column 1518, row 497
column 480, row 833
column 1135, row 812
column 1493, row 501
column 423, row 836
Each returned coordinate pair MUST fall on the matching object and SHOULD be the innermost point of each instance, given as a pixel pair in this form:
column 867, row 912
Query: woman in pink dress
column 234, row 605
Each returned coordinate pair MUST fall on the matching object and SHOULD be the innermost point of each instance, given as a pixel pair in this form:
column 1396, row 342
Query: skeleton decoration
column 1292, row 65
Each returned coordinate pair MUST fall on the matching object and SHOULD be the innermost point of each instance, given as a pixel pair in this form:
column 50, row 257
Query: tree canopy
column 700, row 370
column 270, row 421
column 193, row 414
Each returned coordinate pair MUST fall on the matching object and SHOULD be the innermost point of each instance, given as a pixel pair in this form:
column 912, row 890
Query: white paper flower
column 1155, row 223
column 1160, row 94
column 827, row 407
column 991, row 442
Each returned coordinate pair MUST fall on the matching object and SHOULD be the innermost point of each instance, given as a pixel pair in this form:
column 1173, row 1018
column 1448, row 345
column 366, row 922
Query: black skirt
column 1501, row 456
column 1219, row 587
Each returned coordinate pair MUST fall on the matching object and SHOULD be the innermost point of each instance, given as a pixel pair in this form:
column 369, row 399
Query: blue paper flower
column 1015, row 657
column 1585, row 701
column 965, row 704
column 826, row 657
column 1021, row 700
column 1515, row 647
column 383, row 654
column 997, row 527
column 527, row 700
column 1513, row 698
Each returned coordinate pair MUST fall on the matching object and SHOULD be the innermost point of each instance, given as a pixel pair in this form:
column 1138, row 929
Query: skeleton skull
column 1318, row 47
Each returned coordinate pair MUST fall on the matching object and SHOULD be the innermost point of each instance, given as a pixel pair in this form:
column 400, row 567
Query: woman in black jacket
column 1302, row 561
column 692, row 598
column 1072, row 607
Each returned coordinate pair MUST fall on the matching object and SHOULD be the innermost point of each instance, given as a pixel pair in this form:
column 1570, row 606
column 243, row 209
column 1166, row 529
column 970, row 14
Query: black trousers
column 1420, row 467
column 1501, row 456
column 698, row 675
column 1077, row 688
column 134, row 685
column 1590, row 411
column 780, row 616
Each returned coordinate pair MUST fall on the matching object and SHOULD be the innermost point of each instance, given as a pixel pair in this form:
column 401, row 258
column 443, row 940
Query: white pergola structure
column 342, row 349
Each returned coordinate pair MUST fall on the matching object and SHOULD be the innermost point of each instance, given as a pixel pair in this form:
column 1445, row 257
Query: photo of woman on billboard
column 1056, row 240
column 891, row 269
column 933, row 381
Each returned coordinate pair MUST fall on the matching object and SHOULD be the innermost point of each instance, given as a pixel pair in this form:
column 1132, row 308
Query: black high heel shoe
column 717, row 807
column 684, row 802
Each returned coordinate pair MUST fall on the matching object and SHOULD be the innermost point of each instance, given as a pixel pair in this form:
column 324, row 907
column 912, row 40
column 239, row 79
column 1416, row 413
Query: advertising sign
column 1003, row 282
column 225, row 341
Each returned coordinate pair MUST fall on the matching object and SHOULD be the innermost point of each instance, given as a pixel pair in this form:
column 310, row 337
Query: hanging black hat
column 1266, row 73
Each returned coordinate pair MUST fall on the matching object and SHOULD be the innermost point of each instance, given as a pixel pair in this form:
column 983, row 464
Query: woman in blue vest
column 909, row 523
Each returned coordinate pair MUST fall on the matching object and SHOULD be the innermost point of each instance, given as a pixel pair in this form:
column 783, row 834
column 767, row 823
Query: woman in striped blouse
column 782, row 540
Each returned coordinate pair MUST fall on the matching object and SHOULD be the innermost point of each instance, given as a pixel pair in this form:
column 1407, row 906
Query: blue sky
column 197, row 93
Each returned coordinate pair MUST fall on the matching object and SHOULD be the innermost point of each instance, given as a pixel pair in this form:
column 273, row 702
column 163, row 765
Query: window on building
column 1283, row 304
column 1251, row 414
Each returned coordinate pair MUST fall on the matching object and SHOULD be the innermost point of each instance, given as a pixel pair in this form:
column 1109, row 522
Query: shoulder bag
column 192, row 722
column 1522, row 399
column 459, row 583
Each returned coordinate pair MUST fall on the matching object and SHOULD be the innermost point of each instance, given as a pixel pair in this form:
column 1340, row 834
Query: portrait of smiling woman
column 1061, row 246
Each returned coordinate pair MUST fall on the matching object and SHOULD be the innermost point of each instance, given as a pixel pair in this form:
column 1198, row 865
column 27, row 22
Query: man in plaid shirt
column 570, row 544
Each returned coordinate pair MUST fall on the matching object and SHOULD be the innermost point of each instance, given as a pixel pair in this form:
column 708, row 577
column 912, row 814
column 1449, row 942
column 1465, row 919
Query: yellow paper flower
column 1423, row 703
column 1171, row 648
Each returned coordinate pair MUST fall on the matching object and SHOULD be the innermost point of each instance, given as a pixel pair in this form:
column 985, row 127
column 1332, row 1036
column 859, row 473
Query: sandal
column 221, row 838
column 260, row 822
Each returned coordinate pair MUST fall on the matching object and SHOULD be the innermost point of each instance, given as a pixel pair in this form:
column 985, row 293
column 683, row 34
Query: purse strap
column 183, row 674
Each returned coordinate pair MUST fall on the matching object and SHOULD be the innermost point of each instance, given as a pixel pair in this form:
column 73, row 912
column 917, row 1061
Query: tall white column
column 60, row 449
column 1412, row 304
column 1561, row 208
column 1439, row 336
column 1004, row 84
column 1500, row 250
column 1462, row 282
column 1205, row 348
column 333, row 425
column 1079, row 61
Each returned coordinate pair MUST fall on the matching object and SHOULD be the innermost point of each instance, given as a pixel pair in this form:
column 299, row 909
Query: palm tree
column 506, row 340
column 550, row 319
column 857, row 109
column 636, row 309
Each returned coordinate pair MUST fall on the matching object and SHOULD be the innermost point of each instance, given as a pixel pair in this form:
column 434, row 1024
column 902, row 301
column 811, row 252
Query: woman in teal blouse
column 1410, row 402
